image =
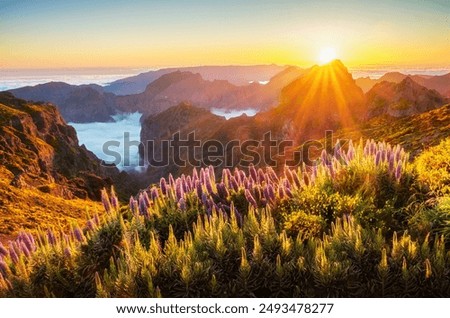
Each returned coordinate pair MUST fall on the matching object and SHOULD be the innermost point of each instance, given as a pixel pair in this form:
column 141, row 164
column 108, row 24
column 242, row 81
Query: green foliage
column 433, row 167
column 308, row 225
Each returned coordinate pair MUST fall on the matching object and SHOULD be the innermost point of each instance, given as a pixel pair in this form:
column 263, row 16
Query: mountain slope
column 324, row 98
column 403, row 99
column 84, row 103
column 41, row 151
column 440, row 83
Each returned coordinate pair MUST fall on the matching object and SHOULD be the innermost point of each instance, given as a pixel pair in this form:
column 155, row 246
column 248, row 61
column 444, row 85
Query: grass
column 30, row 209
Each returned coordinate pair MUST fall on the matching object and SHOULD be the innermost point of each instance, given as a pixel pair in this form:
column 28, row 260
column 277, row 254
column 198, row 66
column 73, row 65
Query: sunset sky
column 56, row 34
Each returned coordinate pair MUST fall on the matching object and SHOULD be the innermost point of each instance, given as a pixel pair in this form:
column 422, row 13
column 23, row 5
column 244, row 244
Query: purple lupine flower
column 204, row 198
column 225, row 177
column 288, row 192
column 296, row 179
column 182, row 204
column 324, row 157
column 67, row 252
column 131, row 204
column 96, row 219
column 253, row 173
column 391, row 161
column 251, row 184
column 398, row 171
column 398, row 153
column 198, row 189
column 202, row 176
column 212, row 174
column 78, row 234
column 337, row 150
column 184, row 184
column 271, row 192
column 25, row 238
column 273, row 176
column 3, row 268
column 261, row 175
column 351, row 151
column 257, row 193
column 222, row 191
column 105, row 201
column 266, row 194
column 208, row 184
column 113, row 199
column 146, row 198
column 25, row 249
column 142, row 206
column 243, row 176
column 288, row 173
column 237, row 176
column 246, row 183
column 281, row 192
column 51, row 237
column 66, row 238
column 154, row 193
column 163, row 186
column 367, row 148
column 233, row 184
column 378, row 158
column 3, row 250
column 306, row 179
column 287, row 184
column 384, row 155
column 12, row 253
column 194, row 175
column 189, row 183
column 171, row 181
column 90, row 226
column 373, row 147
column 250, row 198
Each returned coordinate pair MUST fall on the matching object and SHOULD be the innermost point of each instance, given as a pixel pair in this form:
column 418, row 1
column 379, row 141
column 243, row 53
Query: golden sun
column 326, row 55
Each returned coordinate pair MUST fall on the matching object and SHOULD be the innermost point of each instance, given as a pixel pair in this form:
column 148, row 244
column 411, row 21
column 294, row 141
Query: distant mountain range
column 225, row 87
column 236, row 75
column 91, row 103
column 440, row 83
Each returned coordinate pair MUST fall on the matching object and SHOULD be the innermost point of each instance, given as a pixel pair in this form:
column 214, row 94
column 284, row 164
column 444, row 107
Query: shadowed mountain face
column 403, row 99
column 439, row 83
column 41, row 151
column 85, row 103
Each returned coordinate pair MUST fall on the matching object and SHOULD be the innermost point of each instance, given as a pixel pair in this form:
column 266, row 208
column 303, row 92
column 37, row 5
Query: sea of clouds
column 95, row 135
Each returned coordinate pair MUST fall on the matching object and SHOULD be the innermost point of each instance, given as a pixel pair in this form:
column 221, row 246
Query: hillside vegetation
column 365, row 222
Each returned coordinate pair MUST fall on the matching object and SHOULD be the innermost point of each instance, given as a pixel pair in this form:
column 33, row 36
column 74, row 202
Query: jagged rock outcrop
column 41, row 151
